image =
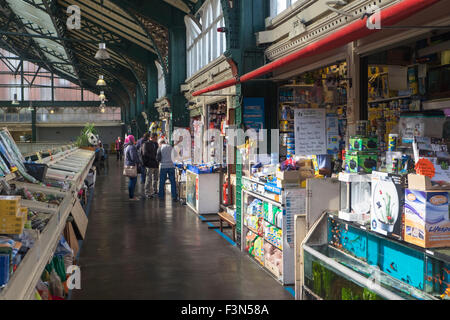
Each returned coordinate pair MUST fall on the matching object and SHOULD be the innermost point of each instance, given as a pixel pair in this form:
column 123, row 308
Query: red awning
column 354, row 31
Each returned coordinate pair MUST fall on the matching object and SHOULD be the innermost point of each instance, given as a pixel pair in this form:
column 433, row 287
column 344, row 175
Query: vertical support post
column 353, row 98
column 177, row 65
column 53, row 87
column 33, row 125
column 22, row 86
column 152, row 90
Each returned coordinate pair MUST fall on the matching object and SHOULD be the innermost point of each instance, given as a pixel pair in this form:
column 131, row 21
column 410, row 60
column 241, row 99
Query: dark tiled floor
column 154, row 249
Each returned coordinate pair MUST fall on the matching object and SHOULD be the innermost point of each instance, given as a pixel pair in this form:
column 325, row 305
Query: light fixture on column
column 102, row 54
column 102, row 107
column 15, row 102
column 102, row 96
column 101, row 81
column 30, row 107
column 52, row 111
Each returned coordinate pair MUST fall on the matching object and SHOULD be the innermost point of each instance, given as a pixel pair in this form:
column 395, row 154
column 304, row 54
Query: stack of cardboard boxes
column 427, row 217
column 12, row 216
column 298, row 177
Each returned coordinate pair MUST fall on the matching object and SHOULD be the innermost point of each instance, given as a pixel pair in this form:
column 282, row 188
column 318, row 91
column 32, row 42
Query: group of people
column 153, row 160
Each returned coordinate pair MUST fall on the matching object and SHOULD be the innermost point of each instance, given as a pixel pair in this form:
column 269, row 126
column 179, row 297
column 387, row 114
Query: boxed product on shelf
column 362, row 143
column 273, row 235
column 273, row 259
column 388, row 200
column 291, row 175
column 360, row 161
column 273, row 214
column 355, row 197
column 9, row 205
column 427, row 222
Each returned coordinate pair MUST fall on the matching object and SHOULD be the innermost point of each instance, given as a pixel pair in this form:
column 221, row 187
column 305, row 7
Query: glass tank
column 334, row 275
column 424, row 274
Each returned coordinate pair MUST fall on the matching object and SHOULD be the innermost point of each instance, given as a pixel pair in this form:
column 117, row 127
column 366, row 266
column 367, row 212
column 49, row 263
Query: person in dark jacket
column 119, row 148
column 131, row 159
column 149, row 150
column 139, row 144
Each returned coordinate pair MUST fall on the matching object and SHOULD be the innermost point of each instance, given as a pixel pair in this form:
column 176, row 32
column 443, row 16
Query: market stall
column 202, row 189
column 35, row 214
column 392, row 223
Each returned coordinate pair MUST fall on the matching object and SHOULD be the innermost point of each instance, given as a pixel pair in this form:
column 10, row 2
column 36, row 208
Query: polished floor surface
column 154, row 249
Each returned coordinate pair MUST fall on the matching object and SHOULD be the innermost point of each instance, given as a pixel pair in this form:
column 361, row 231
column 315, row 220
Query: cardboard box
column 361, row 143
column 388, row 200
column 359, row 161
column 427, row 221
column 21, row 215
column 292, row 175
column 9, row 204
column 423, row 183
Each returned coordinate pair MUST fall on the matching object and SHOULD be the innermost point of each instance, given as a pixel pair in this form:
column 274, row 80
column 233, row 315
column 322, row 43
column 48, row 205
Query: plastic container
column 36, row 170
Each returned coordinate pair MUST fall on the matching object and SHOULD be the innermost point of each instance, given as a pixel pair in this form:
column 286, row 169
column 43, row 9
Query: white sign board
column 310, row 132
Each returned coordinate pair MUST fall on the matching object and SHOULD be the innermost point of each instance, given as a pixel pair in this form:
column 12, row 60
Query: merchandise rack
column 389, row 261
column 255, row 189
column 22, row 283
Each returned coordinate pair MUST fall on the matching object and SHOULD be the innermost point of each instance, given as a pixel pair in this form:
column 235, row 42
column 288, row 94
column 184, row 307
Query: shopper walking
column 132, row 162
column 167, row 169
column 119, row 148
column 139, row 144
column 149, row 150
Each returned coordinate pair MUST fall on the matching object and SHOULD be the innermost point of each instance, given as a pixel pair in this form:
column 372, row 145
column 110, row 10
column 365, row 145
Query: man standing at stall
column 119, row 148
column 139, row 144
column 167, row 168
column 149, row 150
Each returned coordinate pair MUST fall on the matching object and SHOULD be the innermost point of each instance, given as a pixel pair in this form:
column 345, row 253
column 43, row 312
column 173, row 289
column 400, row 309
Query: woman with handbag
column 132, row 163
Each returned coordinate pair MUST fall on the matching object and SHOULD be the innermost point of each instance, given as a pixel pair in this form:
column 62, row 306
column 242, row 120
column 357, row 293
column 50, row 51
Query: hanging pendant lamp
column 102, row 54
column 101, row 82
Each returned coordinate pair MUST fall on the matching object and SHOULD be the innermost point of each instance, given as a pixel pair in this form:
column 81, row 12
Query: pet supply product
column 362, row 143
column 427, row 222
column 359, row 161
column 388, row 198
column 392, row 142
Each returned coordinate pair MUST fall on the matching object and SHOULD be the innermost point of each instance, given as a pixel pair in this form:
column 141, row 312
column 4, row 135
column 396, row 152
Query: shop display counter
column 22, row 283
column 346, row 261
column 267, row 227
column 202, row 192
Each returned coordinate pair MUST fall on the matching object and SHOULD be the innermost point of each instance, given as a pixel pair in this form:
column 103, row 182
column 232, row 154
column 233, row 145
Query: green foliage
column 369, row 295
column 83, row 140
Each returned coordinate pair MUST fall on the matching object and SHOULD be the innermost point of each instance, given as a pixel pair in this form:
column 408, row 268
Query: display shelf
column 254, row 230
column 287, row 250
column 389, row 99
column 22, row 283
column 273, row 269
column 348, row 257
column 273, row 244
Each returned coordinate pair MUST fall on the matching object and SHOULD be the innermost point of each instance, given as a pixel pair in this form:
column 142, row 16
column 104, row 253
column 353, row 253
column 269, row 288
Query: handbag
column 130, row 171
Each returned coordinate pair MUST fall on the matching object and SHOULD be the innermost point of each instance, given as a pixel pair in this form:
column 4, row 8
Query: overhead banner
column 310, row 132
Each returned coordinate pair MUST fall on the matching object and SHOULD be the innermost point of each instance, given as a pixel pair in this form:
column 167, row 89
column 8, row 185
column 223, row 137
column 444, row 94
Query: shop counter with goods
column 202, row 189
column 34, row 215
